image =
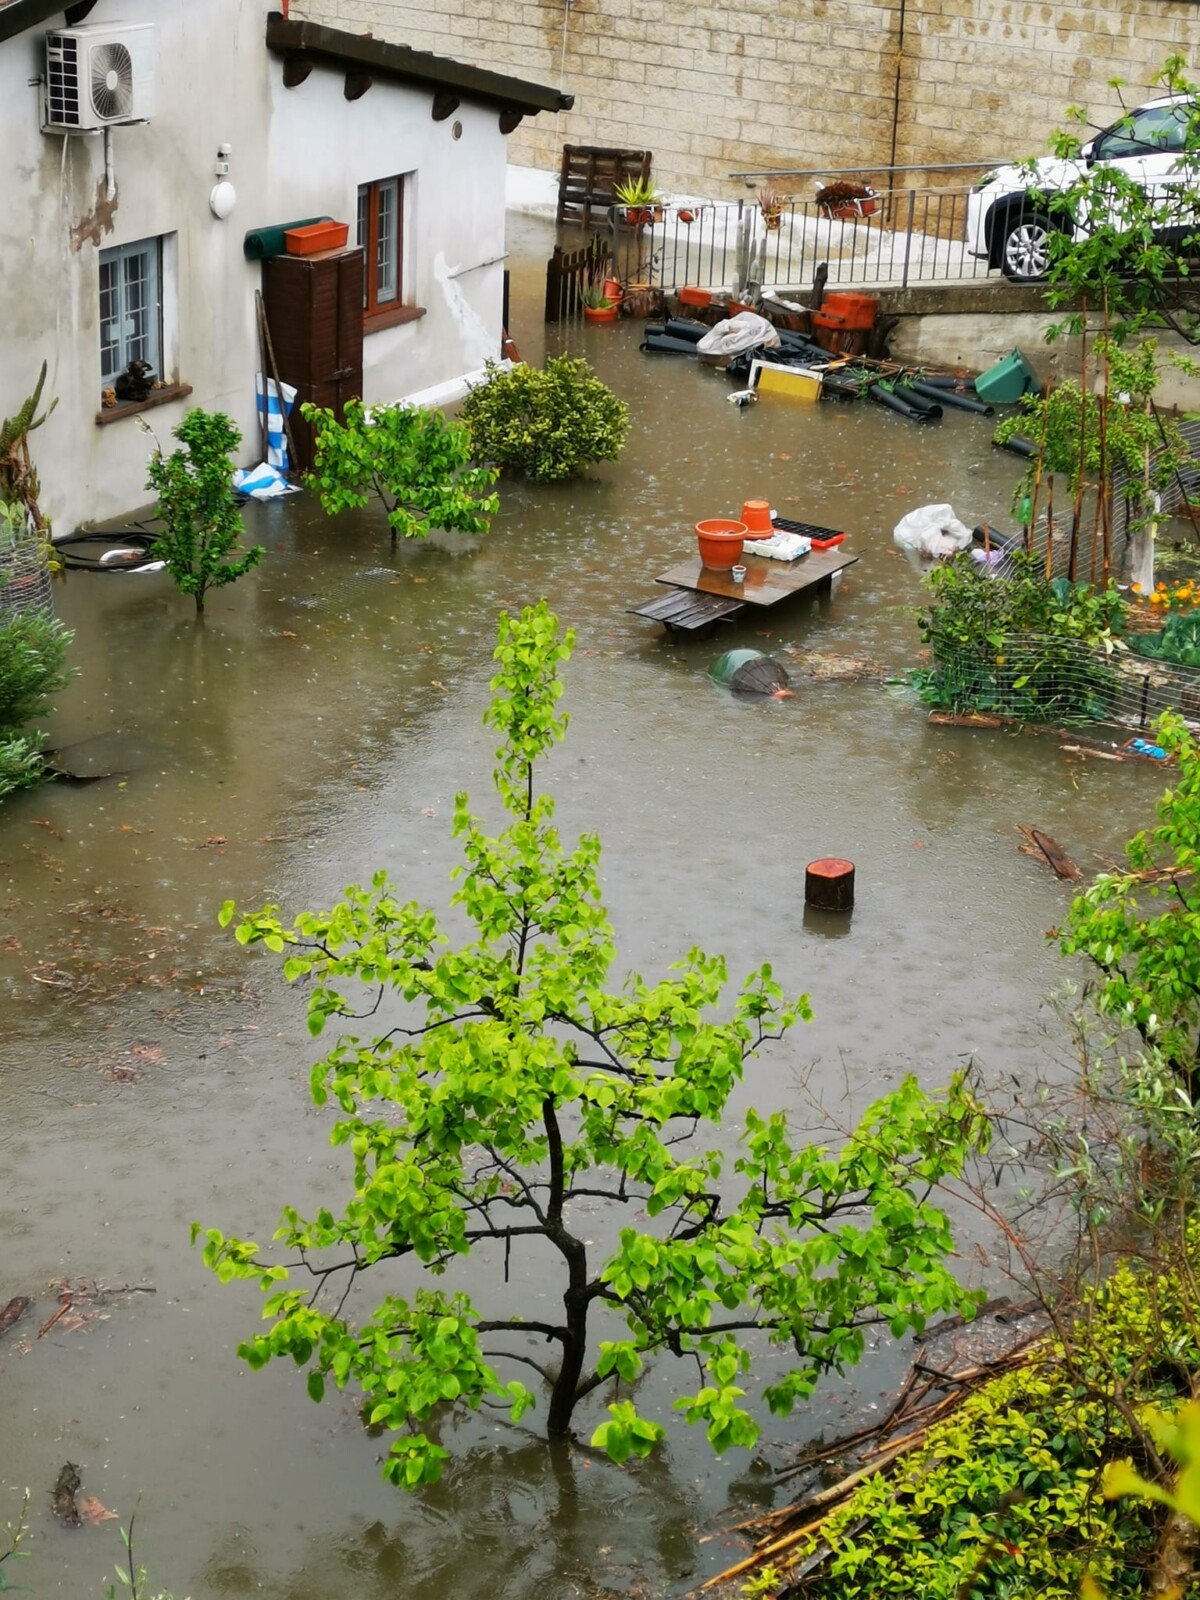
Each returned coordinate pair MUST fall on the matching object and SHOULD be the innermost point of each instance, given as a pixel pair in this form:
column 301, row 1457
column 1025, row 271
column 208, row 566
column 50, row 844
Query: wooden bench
column 687, row 612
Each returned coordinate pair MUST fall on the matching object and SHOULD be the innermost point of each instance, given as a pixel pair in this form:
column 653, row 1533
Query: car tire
column 1025, row 246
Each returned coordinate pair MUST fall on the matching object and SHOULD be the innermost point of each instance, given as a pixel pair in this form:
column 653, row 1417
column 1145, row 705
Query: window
column 381, row 235
column 130, row 308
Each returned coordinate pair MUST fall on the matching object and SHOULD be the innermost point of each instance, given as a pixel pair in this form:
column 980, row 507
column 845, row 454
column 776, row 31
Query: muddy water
column 316, row 726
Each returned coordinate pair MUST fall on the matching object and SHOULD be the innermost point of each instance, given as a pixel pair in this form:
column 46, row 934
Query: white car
column 1009, row 222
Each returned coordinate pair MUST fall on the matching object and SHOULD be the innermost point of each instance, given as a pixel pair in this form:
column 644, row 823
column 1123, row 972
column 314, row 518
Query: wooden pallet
column 684, row 611
column 587, row 181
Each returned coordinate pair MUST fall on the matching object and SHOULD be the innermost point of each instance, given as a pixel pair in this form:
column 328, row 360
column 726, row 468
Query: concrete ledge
column 986, row 297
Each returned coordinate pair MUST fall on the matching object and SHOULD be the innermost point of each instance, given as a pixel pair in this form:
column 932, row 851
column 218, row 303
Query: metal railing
column 893, row 238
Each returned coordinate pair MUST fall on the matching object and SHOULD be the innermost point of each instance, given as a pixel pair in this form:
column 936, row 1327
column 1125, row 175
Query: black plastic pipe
column 1019, row 447
column 946, row 380
column 897, row 402
column 919, row 402
column 949, row 397
column 684, row 328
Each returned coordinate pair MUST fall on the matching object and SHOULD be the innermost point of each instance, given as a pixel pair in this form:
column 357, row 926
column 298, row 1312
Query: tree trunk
column 574, row 1351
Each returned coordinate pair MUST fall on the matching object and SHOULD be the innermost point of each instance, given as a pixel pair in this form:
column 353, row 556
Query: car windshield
column 1148, row 129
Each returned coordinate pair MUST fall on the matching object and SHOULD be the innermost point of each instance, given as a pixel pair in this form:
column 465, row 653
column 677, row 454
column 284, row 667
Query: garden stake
column 265, row 330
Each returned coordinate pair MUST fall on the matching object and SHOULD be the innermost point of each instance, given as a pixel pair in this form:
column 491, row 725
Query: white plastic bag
column 932, row 531
column 742, row 332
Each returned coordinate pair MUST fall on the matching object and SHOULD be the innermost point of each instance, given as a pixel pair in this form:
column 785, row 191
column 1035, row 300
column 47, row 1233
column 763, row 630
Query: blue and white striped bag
column 277, row 455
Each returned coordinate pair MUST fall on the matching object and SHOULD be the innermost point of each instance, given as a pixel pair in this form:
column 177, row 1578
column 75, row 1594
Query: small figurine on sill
column 135, row 383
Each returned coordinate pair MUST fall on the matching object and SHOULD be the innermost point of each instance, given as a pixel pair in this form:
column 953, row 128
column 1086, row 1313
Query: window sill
column 391, row 318
column 131, row 408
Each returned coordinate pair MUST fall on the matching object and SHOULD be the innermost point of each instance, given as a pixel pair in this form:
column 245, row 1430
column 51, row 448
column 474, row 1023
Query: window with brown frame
column 381, row 236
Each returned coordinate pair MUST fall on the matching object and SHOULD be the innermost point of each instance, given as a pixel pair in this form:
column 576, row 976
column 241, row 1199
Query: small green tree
column 417, row 463
column 512, row 1095
column 549, row 424
column 1141, row 928
column 201, row 520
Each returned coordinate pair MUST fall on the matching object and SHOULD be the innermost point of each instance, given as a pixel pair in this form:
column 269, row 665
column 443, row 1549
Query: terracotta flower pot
column 756, row 514
column 611, row 289
column 720, row 540
column 600, row 313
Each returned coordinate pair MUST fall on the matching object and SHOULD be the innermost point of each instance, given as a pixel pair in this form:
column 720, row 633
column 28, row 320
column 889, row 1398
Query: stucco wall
column 295, row 153
column 795, row 83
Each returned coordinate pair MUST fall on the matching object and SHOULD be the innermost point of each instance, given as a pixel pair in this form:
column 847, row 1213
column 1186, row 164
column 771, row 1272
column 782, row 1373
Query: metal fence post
column 908, row 233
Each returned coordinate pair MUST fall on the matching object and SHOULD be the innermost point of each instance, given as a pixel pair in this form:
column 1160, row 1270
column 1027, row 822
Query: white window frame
column 131, row 307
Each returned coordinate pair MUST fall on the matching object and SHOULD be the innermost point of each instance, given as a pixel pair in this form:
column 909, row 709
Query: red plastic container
column 845, row 310
column 317, row 236
column 828, row 544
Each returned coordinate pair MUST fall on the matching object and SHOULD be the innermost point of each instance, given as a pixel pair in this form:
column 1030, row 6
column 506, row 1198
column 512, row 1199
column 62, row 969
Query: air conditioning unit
column 98, row 76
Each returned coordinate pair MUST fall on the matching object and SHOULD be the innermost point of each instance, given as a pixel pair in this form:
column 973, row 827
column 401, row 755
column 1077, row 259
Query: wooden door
column 314, row 312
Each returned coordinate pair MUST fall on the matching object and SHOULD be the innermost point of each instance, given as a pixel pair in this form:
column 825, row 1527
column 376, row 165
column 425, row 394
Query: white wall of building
column 294, row 153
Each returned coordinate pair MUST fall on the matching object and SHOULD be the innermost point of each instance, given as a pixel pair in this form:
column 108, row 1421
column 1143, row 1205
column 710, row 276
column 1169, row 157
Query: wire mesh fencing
column 1043, row 678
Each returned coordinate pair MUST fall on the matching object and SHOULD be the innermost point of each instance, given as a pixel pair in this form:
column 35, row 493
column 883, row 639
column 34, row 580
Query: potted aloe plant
column 597, row 307
column 640, row 201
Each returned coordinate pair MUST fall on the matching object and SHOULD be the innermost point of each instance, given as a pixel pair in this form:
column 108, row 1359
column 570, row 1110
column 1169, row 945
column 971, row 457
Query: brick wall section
column 795, row 83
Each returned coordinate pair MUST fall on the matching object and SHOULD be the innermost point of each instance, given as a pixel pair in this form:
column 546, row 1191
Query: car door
column 1150, row 148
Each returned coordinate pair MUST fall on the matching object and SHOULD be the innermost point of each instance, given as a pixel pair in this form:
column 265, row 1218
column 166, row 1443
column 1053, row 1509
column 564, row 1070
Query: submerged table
column 701, row 596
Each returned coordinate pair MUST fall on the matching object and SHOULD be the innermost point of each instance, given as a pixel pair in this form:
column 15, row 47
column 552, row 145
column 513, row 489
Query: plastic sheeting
column 746, row 331
column 932, row 531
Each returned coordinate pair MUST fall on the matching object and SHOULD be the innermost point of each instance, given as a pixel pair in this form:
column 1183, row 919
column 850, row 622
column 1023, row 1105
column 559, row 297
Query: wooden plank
column 684, row 608
column 684, row 611
column 766, row 582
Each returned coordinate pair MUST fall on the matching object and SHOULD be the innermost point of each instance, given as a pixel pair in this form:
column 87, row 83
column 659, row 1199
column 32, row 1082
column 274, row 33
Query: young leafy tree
column 509, row 1087
column 417, row 463
column 1141, row 928
column 200, row 516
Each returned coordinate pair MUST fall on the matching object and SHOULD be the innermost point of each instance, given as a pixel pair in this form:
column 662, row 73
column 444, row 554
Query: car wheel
column 1025, row 253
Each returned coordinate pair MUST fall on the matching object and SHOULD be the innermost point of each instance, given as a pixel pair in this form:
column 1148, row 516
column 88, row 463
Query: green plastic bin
column 1007, row 381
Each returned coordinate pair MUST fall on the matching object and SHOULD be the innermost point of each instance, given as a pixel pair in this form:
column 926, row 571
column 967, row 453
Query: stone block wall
column 713, row 90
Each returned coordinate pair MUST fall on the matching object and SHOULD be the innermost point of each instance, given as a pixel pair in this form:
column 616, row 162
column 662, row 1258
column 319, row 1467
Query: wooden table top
column 766, row 581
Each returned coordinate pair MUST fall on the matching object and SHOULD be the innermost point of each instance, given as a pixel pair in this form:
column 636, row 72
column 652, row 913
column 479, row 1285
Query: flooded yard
column 315, row 727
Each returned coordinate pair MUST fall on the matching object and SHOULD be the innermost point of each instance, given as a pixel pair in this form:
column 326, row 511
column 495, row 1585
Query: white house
column 151, row 147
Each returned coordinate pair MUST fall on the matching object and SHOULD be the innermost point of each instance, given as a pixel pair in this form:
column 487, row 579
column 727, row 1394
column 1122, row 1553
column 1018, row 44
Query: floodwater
column 316, row 726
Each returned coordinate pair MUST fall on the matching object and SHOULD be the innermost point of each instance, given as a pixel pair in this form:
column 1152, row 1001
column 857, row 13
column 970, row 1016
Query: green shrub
column 33, row 653
column 1017, row 644
column 21, row 763
column 549, row 424
column 1019, row 1463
